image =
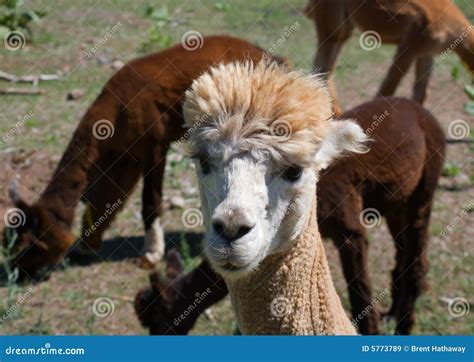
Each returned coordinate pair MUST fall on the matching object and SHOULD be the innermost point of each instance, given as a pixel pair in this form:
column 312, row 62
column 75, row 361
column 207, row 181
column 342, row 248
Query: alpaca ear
column 174, row 264
column 13, row 192
column 27, row 218
column 163, row 287
column 343, row 136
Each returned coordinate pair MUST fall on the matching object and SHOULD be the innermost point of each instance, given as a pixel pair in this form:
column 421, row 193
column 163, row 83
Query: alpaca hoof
column 149, row 260
column 144, row 263
column 154, row 247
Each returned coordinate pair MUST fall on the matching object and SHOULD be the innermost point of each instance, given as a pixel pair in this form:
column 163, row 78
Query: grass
column 63, row 304
column 9, row 308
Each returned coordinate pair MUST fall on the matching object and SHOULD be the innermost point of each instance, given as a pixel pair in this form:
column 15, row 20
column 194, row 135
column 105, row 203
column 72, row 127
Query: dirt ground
column 63, row 303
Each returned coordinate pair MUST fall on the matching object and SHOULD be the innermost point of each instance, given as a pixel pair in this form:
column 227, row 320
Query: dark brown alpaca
column 421, row 29
column 141, row 106
column 397, row 177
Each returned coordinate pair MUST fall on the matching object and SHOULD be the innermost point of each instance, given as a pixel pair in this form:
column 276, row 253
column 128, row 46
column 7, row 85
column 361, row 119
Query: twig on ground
column 123, row 298
column 34, row 79
column 22, row 91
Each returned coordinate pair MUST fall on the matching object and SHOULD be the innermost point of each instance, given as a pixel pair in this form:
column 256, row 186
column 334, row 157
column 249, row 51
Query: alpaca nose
column 232, row 226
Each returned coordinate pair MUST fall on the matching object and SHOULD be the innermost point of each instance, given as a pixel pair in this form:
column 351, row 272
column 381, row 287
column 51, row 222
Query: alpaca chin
column 238, row 260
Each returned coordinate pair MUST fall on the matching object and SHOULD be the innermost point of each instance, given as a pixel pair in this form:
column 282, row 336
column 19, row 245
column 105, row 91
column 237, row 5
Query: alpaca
column 400, row 186
column 140, row 109
column 420, row 28
column 260, row 135
column 164, row 299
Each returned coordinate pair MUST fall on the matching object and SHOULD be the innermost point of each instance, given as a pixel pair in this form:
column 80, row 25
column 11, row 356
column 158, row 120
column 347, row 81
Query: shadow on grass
column 122, row 248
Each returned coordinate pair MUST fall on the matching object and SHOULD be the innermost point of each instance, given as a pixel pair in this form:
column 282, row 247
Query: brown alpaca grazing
column 421, row 29
column 397, row 177
column 140, row 108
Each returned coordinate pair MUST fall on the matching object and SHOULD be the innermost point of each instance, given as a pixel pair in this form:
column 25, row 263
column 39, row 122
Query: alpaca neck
column 70, row 178
column 291, row 292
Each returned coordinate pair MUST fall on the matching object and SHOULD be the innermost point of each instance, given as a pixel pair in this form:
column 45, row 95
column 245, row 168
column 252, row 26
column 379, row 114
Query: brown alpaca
column 420, row 28
column 142, row 105
column 399, row 185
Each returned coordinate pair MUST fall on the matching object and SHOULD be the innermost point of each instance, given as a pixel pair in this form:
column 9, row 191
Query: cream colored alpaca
column 260, row 135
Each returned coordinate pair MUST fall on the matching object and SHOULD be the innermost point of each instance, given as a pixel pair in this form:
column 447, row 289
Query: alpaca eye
column 293, row 173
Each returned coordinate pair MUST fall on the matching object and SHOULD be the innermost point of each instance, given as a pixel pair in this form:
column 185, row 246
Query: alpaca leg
column 324, row 63
column 416, row 235
column 404, row 57
column 154, row 247
column 353, row 250
column 414, row 270
column 397, row 224
column 333, row 28
column 105, row 195
column 424, row 68
column 465, row 50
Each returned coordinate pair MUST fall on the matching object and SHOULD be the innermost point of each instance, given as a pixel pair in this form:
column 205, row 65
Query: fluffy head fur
column 264, row 107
